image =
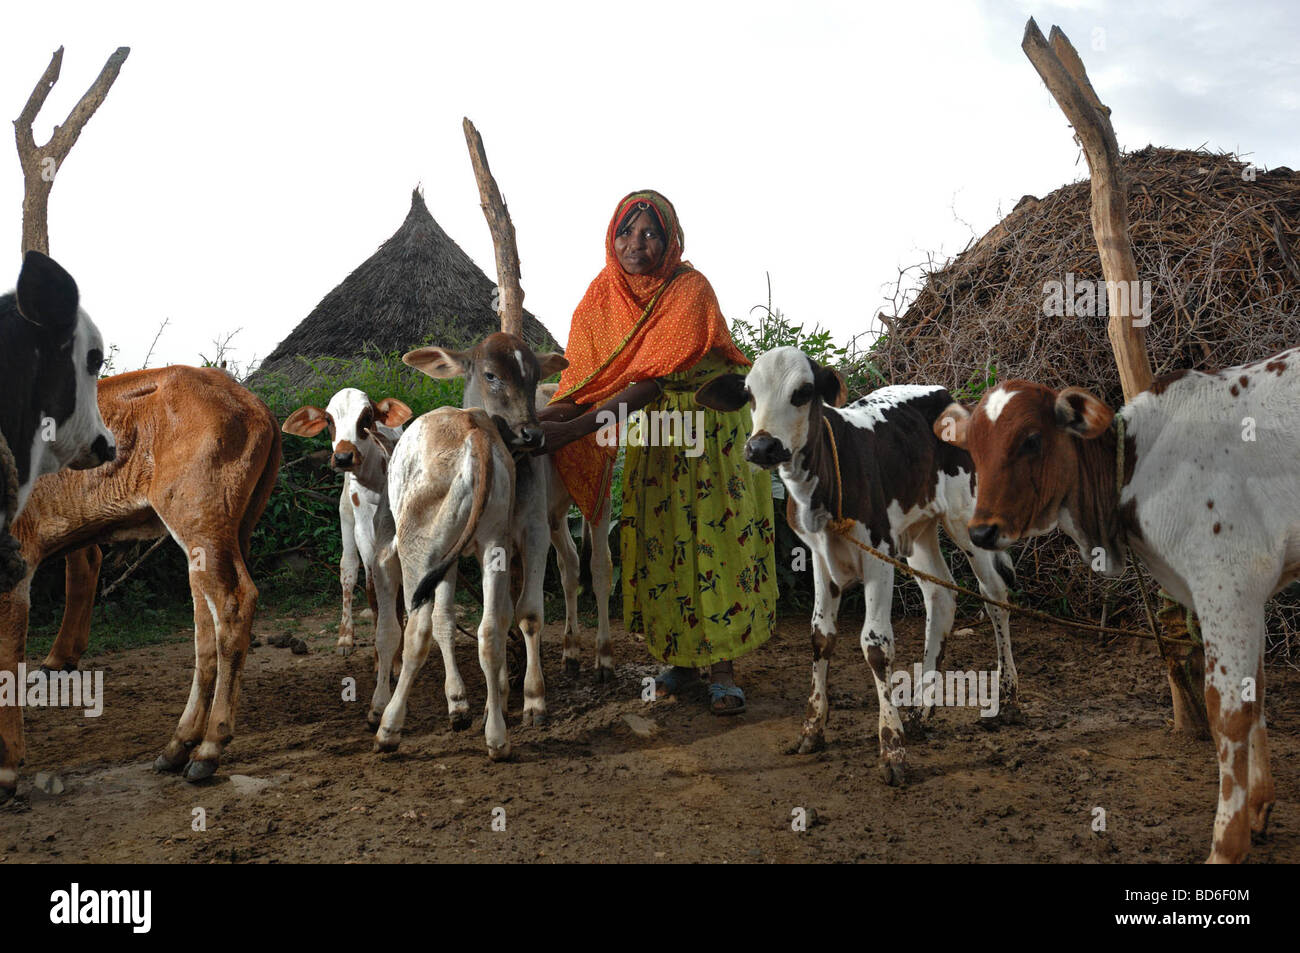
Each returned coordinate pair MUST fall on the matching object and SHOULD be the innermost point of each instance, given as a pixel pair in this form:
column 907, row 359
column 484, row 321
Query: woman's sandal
column 717, row 695
column 674, row 680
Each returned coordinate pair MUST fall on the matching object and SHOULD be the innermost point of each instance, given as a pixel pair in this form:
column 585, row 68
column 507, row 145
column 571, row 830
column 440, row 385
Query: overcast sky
column 251, row 155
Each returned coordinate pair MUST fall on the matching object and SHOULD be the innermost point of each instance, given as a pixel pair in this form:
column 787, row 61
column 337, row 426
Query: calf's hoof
column 572, row 666
column 387, row 742
column 501, row 753
column 372, row 720
column 197, row 771
column 892, row 772
column 459, row 720
column 6, row 794
column 534, row 716
column 1008, row 714
column 344, row 649
column 808, row 744
column 170, row 762
column 604, row 675
column 65, row 667
column 1259, row 824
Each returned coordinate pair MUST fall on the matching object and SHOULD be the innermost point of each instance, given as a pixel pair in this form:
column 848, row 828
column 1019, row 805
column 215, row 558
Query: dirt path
column 615, row 779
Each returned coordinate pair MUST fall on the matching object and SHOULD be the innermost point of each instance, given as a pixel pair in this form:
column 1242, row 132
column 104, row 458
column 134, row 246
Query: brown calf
column 197, row 457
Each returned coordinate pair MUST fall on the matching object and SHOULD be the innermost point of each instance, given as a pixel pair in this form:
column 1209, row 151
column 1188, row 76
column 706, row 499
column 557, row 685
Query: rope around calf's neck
column 844, row 528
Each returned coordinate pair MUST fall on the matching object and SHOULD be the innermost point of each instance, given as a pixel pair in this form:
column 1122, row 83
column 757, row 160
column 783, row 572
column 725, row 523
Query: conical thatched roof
column 418, row 287
column 1219, row 248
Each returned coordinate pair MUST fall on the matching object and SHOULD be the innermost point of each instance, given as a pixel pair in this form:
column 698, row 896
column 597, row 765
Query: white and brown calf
column 362, row 433
column 1209, row 500
column 566, row 554
column 450, row 485
column 898, row 482
column 501, row 375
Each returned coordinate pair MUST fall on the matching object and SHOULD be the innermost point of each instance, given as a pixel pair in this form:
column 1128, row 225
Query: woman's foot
column 725, row 696
column 674, row 680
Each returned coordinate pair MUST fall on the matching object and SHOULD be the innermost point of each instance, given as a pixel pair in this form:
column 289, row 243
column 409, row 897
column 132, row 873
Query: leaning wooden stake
column 42, row 163
column 1059, row 65
column 510, row 292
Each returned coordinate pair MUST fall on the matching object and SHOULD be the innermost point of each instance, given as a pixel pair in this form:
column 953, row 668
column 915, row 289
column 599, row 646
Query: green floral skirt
column 697, row 534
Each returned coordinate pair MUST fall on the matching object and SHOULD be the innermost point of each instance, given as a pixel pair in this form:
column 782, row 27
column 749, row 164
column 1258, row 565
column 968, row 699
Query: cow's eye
column 1032, row 445
column 94, row 361
column 489, row 377
column 802, row 394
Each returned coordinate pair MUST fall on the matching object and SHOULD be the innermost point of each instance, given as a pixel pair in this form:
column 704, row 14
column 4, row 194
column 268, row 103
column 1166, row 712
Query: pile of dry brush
column 1216, row 240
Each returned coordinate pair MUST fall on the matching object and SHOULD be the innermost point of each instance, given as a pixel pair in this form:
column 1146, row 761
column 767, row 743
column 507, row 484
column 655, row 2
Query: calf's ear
column 391, row 412
column 1081, row 414
column 830, row 386
column 952, row 425
column 306, row 421
column 437, row 362
column 551, row 363
column 47, row 295
column 726, row 392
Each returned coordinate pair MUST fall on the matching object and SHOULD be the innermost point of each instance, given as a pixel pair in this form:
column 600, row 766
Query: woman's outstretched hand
column 558, row 433
column 566, row 422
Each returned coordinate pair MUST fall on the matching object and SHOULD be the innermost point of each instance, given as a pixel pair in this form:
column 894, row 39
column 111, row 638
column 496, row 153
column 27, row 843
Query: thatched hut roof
column 1217, row 241
column 418, row 287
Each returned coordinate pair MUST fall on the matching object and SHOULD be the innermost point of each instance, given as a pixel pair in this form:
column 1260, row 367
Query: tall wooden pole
column 511, row 292
column 42, row 163
column 1058, row 63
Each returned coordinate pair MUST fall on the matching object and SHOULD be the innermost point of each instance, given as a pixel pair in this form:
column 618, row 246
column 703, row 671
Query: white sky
column 251, row 155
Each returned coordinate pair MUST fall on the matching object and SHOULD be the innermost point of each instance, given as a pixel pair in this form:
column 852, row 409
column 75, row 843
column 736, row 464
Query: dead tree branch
column 511, row 292
column 1062, row 70
column 41, row 164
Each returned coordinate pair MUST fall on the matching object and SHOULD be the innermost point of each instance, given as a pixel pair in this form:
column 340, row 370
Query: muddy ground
column 615, row 779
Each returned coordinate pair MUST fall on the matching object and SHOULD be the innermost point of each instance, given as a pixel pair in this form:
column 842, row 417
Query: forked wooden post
column 1059, row 65
column 42, row 163
column 510, row 291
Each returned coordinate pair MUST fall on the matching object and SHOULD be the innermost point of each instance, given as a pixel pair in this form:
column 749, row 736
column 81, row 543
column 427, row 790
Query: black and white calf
column 363, row 433
column 50, row 357
column 898, row 482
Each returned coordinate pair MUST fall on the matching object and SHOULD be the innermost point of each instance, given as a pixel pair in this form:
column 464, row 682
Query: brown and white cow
column 501, row 375
column 451, row 483
column 898, row 482
column 1209, row 500
column 197, row 458
column 362, row 434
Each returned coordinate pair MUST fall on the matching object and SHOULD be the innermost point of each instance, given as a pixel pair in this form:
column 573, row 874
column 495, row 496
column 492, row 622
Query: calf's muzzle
column 765, row 450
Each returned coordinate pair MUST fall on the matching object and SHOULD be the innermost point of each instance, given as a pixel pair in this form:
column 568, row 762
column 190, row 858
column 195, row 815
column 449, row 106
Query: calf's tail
column 480, row 474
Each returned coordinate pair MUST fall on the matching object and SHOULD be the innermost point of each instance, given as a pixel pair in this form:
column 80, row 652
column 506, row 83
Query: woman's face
column 640, row 245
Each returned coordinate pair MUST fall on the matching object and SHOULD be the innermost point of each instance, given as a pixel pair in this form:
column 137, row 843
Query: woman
column 697, row 534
